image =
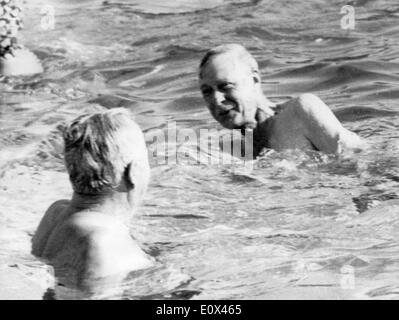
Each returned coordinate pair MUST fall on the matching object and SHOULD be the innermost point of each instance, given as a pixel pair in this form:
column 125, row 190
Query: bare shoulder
column 309, row 99
column 311, row 111
column 53, row 213
column 63, row 233
column 305, row 107
column 108, row 247
column 308, row 104
column 93, row 245
column 94, row 222
column 321, row 126
column 311, row 105
column 50, row 219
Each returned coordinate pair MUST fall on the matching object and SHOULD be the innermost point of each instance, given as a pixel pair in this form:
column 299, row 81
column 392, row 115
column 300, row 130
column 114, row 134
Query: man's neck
column 267, row 110
column 267, row 106
column 110, row 203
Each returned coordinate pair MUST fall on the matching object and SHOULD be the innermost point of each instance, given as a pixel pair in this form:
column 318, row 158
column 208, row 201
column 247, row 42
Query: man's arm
column 321, row 126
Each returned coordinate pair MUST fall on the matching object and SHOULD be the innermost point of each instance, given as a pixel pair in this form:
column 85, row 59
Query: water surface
column 297, row 225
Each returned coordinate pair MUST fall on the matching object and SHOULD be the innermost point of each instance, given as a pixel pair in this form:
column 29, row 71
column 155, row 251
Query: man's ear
column 256, row 77
column 128, row 176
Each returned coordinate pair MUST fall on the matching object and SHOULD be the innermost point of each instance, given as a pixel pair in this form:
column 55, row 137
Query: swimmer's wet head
column 100, row 150
column 230, row 84
column 87, row 239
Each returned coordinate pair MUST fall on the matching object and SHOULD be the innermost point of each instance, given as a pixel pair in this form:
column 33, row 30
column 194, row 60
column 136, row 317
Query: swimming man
column 87, row 238
column 231, row 87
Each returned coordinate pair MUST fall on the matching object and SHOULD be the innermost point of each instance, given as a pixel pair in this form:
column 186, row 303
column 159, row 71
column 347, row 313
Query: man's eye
column 206, row 91
column 226, row 87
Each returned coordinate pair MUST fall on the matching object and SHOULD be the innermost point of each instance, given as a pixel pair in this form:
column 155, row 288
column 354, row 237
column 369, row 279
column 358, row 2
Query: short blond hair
column 99, row 147
column 236, row 50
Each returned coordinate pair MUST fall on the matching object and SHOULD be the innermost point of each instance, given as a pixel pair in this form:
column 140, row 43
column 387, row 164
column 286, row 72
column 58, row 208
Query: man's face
column 229, row 90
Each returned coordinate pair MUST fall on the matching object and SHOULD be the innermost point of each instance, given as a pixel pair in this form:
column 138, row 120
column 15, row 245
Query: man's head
column 106, row 152
column 230, row 84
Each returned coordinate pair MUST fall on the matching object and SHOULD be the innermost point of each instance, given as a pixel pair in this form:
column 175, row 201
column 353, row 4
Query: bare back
column 86, row 246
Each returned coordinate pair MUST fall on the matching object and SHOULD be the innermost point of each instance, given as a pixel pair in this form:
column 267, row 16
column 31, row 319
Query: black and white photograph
column 211, row 150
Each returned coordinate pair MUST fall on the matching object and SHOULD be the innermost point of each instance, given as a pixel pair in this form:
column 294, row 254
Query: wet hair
column 99, row 148
column 236, row 50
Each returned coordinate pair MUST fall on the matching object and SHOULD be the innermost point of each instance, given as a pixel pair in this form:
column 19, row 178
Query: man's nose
column 218, row 97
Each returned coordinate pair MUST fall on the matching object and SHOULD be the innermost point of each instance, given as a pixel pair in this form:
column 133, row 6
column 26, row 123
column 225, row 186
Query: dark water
column 289, row 227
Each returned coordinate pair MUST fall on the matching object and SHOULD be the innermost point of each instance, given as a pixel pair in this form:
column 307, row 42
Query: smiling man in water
column 87, row 239
column 231, row 86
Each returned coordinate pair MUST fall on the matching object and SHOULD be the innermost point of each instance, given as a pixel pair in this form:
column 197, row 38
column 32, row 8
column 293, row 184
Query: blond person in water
column 87, row 238
column 15, row 60
column 231, row 87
